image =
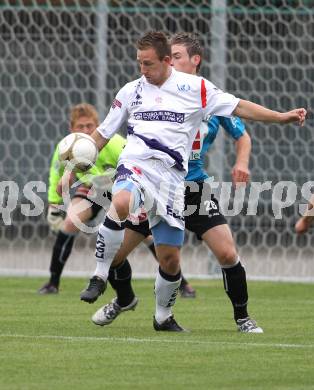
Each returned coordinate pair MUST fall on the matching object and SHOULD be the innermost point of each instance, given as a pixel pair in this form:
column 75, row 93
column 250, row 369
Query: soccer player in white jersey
column 163, row 110
column 206, row 222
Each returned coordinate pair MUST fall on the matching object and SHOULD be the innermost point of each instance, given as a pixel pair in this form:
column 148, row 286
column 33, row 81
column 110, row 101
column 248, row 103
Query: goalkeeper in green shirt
column 82, row 208
column 83, row 119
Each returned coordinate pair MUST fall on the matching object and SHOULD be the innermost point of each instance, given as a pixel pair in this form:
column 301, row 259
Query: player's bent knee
column 169, row 259
column 126, row 198
column 228, row 256
column 119, row 208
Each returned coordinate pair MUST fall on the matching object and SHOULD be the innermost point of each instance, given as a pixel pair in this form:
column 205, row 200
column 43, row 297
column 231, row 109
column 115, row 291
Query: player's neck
column 166, row 77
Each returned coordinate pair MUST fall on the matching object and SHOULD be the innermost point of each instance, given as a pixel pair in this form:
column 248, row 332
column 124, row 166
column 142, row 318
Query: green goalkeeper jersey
column 108, row 158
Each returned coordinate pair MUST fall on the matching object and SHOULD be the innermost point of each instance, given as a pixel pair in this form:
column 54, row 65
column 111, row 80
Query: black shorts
column 142, row 227
column 207, row 214
column 84, row 193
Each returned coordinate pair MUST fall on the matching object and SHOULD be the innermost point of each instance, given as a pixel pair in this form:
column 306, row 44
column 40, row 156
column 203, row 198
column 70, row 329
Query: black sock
column 170, row 278
column 120, row 280
column 151, row 247
column 60, row 254
column 235, row 286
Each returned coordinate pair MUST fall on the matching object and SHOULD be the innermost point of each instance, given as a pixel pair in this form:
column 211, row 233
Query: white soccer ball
column 79, row 150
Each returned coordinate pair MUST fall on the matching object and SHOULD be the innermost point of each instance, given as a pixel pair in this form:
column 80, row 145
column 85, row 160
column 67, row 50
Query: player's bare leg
column 79, row 210
column 186, row 290
column 234, row 275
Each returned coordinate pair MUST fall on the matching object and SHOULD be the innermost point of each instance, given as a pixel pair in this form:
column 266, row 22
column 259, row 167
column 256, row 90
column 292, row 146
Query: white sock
column 109, row 240
column 166, row 292
column 102, row 270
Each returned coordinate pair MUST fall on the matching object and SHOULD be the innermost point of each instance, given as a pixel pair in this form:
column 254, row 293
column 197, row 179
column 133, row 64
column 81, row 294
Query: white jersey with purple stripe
column 205, row 137
column 162, row 125
column 169, row 115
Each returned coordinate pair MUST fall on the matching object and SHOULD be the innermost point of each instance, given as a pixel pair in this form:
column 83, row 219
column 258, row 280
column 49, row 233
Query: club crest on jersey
column 183, row 87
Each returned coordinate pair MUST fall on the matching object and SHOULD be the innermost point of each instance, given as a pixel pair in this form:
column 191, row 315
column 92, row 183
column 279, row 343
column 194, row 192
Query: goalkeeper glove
column 55, row 218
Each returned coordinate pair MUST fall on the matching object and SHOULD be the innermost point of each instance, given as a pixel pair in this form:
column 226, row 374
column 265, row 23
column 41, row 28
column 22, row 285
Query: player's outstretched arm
column 252, row 111
column 99, row 139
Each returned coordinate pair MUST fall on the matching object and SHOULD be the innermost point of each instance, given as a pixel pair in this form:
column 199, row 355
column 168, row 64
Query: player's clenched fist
column 297, row 115
column 240, row 174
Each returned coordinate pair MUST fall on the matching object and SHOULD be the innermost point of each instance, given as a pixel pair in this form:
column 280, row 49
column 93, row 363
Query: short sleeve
column 215, row 101
column 117, row 115
column 234, row 126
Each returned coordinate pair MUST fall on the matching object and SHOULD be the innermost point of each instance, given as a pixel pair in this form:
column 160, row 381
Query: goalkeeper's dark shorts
column 141, row 227
column 206, row 215
column 84, row 192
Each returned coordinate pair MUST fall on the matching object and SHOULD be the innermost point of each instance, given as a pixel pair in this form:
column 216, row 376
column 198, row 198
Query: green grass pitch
column 49, row 342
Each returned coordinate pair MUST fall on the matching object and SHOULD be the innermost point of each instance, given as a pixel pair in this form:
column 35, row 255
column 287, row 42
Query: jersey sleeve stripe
column 203, row 93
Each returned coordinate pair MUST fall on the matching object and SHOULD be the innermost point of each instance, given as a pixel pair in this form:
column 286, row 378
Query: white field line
column 162, row 341
column 23, row 272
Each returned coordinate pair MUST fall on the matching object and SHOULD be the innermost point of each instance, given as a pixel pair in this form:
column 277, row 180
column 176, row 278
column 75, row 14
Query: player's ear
column 196, row 59
column 168, row 60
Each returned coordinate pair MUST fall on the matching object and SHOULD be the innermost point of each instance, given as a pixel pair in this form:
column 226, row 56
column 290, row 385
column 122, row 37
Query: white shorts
column 161, row 190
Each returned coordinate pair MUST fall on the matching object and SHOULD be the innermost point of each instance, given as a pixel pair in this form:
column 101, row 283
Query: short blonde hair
column 83, row 109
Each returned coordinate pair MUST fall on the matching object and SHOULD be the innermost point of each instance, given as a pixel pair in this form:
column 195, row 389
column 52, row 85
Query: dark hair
column 192, row 44
column 156, row 40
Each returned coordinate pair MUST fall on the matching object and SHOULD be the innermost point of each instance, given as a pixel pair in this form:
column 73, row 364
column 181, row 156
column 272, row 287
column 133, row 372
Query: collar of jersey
column 173, row 71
